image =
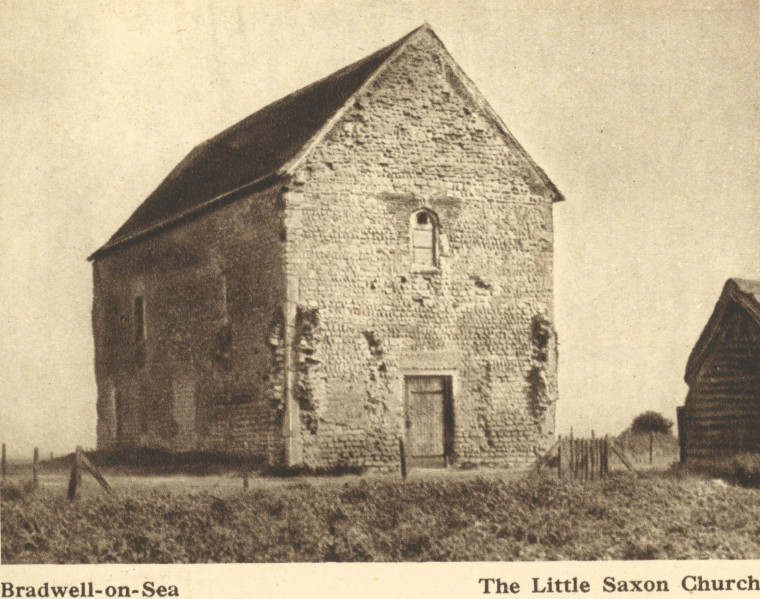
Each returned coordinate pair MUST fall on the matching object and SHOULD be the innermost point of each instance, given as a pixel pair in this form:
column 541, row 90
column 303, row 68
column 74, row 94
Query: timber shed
column 365, row 260
column 721, row 415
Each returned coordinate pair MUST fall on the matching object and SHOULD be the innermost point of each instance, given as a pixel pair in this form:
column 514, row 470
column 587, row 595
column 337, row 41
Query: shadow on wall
column 539, row 395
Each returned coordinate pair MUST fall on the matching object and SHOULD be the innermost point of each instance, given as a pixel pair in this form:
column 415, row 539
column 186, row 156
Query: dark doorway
column 429, row 421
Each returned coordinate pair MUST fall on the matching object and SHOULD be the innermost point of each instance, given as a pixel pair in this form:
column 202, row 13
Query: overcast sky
column 644, row 114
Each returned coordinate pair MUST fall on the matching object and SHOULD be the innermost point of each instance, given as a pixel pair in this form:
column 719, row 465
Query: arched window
column 424, row 254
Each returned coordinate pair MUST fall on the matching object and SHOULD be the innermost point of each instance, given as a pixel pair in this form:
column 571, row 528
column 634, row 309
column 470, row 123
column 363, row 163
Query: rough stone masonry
column 366, row 260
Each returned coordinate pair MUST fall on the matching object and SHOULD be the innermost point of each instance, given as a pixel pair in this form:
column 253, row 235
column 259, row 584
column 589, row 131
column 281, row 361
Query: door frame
column 451, row 390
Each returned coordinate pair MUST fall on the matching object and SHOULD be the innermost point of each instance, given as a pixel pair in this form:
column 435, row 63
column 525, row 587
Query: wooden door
column 428, row 420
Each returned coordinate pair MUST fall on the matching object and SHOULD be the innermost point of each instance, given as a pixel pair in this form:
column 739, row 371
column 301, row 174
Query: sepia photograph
column 381, row 281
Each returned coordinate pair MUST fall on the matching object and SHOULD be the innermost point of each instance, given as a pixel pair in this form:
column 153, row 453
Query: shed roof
column 743, row 293
column 256, row 150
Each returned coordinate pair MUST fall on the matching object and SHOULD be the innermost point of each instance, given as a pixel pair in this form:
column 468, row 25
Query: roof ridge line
column 309, row 85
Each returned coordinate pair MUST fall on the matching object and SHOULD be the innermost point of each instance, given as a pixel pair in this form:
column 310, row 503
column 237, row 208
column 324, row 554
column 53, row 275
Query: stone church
column 366, row 260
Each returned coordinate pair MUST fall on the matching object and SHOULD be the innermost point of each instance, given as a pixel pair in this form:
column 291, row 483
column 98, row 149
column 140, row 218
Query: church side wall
column 205, row 373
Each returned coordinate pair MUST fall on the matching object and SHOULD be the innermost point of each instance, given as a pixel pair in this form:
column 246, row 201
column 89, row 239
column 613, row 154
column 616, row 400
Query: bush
column 9, row 492
column 746, row 467
column 653, row 422
column 16, row 492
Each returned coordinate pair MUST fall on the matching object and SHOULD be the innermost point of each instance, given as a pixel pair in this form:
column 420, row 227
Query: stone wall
column 419, row 138
column 207, row 374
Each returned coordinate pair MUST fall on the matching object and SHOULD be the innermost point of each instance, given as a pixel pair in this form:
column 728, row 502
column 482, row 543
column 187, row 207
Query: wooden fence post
column 245, row 465
column 4, row 465
column 559, row 458
column 402, row 456
column 571, row 456
column 587, row 465
column 606, row 458
column 582, row 460
column 36, row 467
column 586, row 460
column 651, row 444
column 619, row 453
column 572, row 459
column 87, row 465
column 75, row 480
column 599, row 456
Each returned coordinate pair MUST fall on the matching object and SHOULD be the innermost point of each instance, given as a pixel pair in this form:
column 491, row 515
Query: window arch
column 424, row 237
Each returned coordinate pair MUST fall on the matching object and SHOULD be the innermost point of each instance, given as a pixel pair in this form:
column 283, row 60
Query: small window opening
column 240, row 398
column 424, row 240
column 139, row 318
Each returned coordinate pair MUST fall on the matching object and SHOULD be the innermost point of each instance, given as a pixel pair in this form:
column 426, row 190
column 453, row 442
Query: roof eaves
column 282, row 171
column 259, row 184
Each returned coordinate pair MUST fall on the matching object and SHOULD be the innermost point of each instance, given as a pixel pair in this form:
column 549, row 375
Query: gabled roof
column 256, row 151
column 741, row 293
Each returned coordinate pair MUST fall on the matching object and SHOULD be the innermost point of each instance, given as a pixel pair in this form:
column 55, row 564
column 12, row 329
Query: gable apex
column 493, row 116
column 269, row 144
column 743, row 294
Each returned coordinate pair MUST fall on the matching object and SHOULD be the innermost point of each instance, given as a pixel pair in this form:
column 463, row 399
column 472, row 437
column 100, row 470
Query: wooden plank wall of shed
column 723, row 406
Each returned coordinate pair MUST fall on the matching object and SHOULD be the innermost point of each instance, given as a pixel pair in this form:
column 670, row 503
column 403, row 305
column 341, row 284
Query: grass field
column 429, row 517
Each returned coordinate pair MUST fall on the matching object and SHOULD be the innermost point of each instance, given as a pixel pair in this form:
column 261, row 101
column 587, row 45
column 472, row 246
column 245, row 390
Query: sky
column 644, row 114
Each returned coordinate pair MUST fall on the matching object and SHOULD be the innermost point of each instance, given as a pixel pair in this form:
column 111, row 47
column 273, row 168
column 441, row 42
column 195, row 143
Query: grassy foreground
column 386, row 519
